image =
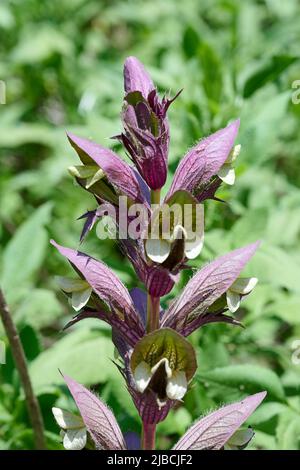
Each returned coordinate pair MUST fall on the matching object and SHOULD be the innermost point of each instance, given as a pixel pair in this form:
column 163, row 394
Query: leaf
column 25, row 252
column 265, row 412
column 191, row 42
column 260, row 132
column 267, row 73
column 214, row 430
column 46, row 42
column 288, row 431
column 264, row 441
column 251, row 226
column 39, row 309
column 285, row 306
column 83, row 353
column 212, row 71
column 176, row 422
column 246, row 377
column 277, row 267
column 30, row 342
column 97, row 417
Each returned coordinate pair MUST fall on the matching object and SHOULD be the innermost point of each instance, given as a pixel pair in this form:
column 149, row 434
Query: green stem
column 148, row 436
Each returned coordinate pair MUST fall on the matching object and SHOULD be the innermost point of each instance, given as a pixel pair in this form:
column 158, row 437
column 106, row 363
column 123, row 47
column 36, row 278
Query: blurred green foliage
column 62, row 64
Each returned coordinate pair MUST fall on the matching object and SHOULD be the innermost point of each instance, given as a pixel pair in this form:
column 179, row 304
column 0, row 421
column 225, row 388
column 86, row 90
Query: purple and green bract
column 157, row 361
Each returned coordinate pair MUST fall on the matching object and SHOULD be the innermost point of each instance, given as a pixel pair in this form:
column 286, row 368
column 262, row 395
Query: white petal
column 244, row 285
column 193, row 248
column 80, row 298
column 194, row 242
column 227, row 174
column 70, row 285
column 157, row 250
column 75, row 439
column 234, row 153
column 167, row 367
column 67, row 420
column 142, row 376
column 233, row 300
column 177, row 386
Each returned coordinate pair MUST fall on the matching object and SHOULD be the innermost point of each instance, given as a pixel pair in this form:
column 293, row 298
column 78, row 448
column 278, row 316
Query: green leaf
column 277, row 267
column 39, row 309
column 212, row 72
column 250, row 227
column 25, row 252
column 285, row 306
column 30, row 342
column 265, row 412
column 46, row 42
column 191, row 42
column 288, row 431
column 83, row 354
column 176, row 422
column 267, row 73
column 248, row 378
column 263, row 441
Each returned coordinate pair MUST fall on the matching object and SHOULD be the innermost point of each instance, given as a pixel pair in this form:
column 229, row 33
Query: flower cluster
column 156, row 360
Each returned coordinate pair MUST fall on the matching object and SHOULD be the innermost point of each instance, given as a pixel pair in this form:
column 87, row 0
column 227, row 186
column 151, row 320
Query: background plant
column 61, row 63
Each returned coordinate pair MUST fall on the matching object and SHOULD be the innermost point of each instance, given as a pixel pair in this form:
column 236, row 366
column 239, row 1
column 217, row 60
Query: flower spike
column 159, row 236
